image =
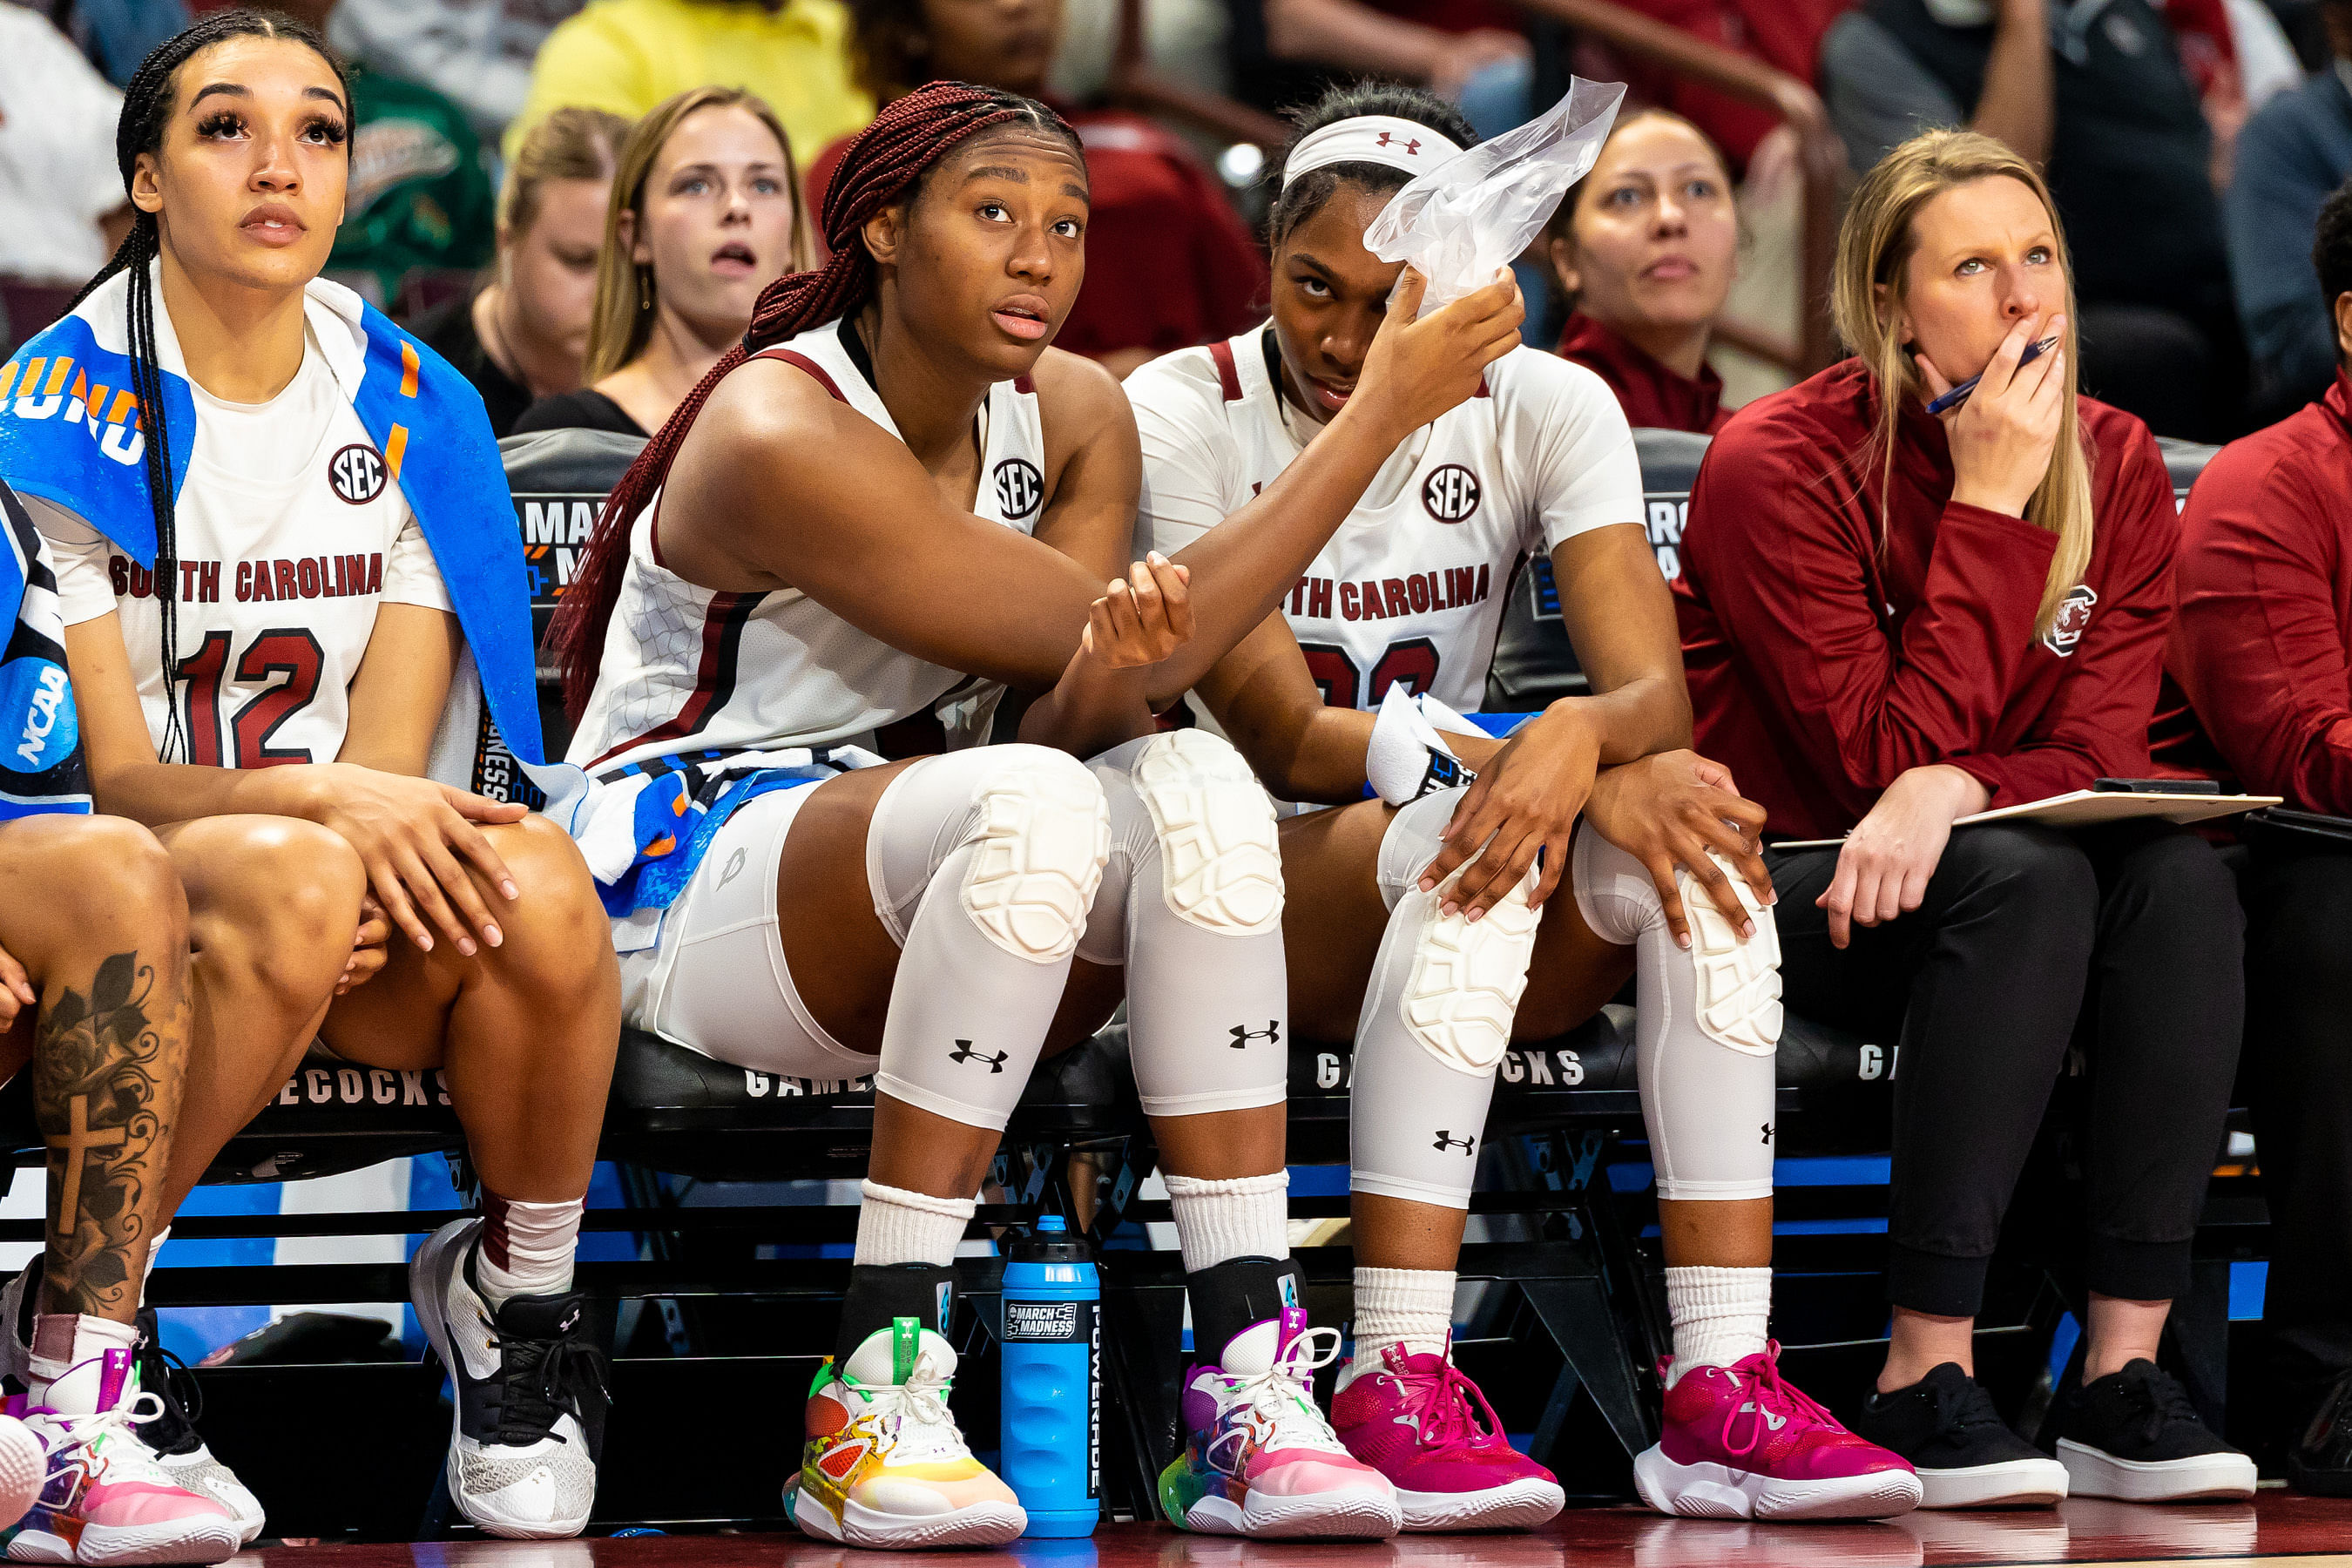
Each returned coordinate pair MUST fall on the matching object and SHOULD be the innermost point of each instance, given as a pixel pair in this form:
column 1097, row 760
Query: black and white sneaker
column 1967, row 1456
column 172, row 1438
column 2134, row 1435
column 2320, row 1465
column 530, row 1394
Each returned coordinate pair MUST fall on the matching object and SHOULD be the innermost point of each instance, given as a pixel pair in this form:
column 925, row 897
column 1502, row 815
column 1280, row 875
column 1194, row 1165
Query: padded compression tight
column 1706, row 1028
column 1191, row 907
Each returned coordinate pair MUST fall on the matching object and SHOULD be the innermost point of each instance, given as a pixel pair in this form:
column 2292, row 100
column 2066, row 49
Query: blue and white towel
column 41, row 767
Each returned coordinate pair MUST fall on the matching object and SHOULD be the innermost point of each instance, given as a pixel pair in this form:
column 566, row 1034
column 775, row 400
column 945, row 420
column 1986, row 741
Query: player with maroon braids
column 895, row 505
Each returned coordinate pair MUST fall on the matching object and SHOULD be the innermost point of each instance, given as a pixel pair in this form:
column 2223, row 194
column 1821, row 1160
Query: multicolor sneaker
column 105, row 1500
column 1739, row 1443
column 171, row 1436
column 884, row 1464
column 1416, row 1420
column 1259, row 1459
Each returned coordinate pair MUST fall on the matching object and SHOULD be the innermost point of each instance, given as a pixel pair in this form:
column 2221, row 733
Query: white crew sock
column 155, row 1251
column 525, row 1248
column 1718, row 1315
column 68, row 1363
column 895, row 1226
column 1240, row 1216
column 1412, row 1308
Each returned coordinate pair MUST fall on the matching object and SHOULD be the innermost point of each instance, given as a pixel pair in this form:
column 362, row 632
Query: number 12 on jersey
column 292, row 652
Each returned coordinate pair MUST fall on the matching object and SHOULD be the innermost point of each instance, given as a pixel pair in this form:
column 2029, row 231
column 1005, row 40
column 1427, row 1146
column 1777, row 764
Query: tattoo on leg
column 105, row 1089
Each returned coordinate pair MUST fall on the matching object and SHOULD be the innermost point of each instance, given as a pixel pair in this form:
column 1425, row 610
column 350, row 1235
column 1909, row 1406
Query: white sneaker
column 884, row 1463
column 104, row 1498
column 171, row 1436
column 530, row 1394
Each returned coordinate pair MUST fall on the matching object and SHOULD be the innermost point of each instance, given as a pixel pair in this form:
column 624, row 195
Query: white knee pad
column 1707, row 1023
column 1039, row 845
column 1221, row 866
column 1191, row 907
column 1463, row 989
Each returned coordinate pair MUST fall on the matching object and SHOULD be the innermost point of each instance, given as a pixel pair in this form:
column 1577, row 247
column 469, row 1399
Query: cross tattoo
column 79, row 1143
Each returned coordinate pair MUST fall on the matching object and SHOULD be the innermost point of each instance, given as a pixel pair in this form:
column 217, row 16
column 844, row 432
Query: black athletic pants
column 2126, row 938
column 2299, row 1032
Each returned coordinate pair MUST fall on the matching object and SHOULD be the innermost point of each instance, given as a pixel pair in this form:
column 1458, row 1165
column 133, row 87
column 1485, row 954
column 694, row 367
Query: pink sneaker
column 1739, row 1443
column 106, row 1501
column 1413, row 1420
column 1259, row 1459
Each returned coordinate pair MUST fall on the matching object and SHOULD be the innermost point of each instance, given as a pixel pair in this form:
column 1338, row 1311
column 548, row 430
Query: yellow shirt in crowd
column 627, row 56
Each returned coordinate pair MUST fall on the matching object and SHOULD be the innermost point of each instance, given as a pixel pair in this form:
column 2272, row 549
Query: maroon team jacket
column 1653, row 396
column 1821, row 665
column 2261, row 641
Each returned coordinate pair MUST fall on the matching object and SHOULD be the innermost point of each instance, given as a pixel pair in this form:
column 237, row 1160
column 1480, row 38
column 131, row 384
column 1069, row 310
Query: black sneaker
column 1967, row 1456
column 171, row 1436
column 2134, row 1435
column 2321, row 1462
column 530, row 1394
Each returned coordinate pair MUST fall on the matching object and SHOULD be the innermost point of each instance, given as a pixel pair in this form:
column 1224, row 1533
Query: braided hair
column 885, row 165
column 146, row 110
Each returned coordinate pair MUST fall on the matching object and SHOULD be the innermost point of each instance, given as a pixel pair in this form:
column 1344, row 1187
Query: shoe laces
column 920, row 1404
column 2161, row 1400
column 172, row 1383
column 1280, row 1401
column 1441, row 1402
column 543, row 1381
column 1968, row 1408
column 1769, row 1392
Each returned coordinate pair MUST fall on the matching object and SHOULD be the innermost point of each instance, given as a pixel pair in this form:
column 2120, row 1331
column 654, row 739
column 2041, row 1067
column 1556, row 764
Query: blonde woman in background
column 523, row 334
column 1892, row 619
column 705, row 211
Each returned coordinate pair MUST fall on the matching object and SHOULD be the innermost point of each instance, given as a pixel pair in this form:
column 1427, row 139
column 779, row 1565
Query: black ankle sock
column 1229, row 1296
column 880, row 1293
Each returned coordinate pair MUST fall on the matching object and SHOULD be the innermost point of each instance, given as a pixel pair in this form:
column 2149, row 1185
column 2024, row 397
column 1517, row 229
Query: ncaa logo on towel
column 37, row 701
column 1019, row 487
column 1451, row 493
column 2073, row 619
column 355, row 473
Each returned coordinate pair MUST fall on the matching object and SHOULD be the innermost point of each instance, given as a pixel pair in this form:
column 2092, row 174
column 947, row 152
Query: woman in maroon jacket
column 1644, row 246
column 2261, row 644
column 1892, row 621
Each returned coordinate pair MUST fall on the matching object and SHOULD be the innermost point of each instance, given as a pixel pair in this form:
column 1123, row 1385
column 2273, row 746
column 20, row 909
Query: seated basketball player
column 251, row 554
column 2262, row 644
column 94, row 1000
column 1410, row 594
column 899, row 483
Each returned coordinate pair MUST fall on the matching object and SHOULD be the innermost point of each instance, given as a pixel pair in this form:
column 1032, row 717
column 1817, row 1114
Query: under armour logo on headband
column 1412, row 146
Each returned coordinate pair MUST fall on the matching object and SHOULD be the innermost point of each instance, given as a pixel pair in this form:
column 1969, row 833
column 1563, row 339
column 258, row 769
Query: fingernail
column 466, row 945
column 1449, row 908
column 492, row 935
column 424, row 944
column 1474, row 915
column 510, row 890
column 1427, row 883
column 1682, row 939
column 1747, row 928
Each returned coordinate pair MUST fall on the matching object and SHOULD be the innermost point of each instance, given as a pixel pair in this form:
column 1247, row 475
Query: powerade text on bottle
column 1052, row 1443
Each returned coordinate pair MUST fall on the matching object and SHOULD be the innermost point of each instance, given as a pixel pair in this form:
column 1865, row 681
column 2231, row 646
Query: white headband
column 1403, row 144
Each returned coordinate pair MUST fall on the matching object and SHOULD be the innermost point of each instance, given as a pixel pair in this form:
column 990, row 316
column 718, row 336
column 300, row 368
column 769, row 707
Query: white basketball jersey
column 291, row 532
column 1412, row 587
column 685, row 668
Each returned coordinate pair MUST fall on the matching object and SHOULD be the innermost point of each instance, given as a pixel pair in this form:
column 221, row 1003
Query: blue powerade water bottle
column 1052, row 1441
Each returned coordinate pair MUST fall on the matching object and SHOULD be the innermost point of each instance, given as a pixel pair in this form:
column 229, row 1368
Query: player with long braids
column 894, row 485
column 280, row 559
column 1590, row 845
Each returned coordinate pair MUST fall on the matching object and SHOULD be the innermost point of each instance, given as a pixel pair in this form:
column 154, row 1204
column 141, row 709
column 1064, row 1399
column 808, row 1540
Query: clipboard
column 2088, row 808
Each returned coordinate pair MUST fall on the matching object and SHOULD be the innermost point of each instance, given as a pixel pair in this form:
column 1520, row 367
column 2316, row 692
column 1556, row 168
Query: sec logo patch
column 1451, row 493
column 356, row 474
column 1019, row 487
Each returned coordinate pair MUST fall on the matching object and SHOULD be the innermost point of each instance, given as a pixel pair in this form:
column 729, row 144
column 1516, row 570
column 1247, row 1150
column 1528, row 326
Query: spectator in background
column 1643, row 246
column 2262, row 644
column 476, row 52
column 627, row 56
column 2095, row 93
column 1168, row 262
column 1469, row 52
column 61, row 206
column 1783, row 34
column 705, row 213
column 524, row 333
column 2295, row 151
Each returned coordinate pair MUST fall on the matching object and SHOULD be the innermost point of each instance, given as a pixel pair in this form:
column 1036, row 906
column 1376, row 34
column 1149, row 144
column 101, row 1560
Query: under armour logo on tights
column 1768, row 1132
column 965, row 1053
column 1444, row 1141
column 1243, row 1033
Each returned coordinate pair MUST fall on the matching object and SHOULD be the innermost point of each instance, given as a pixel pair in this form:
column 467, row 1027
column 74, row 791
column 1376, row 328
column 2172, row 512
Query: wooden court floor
column 2278, row 1528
